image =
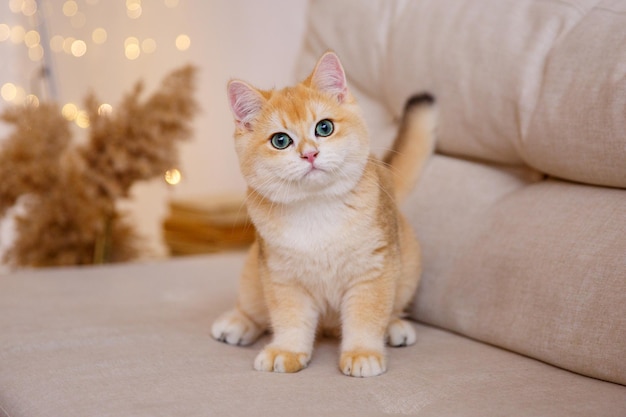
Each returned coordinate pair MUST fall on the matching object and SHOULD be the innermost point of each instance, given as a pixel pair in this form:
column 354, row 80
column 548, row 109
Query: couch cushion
column 519, row 82
column 134, row 341
column 535, row 267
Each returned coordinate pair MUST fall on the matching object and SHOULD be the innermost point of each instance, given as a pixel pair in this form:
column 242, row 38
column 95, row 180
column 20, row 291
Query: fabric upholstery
column 535, row 267
column 134, row 341
column 528, row 91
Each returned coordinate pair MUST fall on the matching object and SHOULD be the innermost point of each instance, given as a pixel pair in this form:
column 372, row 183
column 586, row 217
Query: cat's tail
column 414, row 143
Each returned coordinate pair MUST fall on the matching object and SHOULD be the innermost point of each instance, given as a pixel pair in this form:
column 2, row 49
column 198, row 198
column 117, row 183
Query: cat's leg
column 294, row 318
column 400, row 332
column 249, row 319
column 366, row 310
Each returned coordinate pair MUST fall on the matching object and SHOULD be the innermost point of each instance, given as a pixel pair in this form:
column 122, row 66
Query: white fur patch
column 234, row 328
column 400, row 333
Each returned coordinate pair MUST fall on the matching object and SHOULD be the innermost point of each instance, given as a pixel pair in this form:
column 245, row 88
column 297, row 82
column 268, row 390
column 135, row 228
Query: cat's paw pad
column 277, row 360
column 362, row 363
column 235, row 328
column 400, row 333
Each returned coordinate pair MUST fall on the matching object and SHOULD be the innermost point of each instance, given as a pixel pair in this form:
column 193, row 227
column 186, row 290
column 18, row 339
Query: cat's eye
column 324, row 128
column 280, row 140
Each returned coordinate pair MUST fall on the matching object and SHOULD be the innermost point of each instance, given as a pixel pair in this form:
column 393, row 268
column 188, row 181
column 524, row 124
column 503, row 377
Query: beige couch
column 522, row 217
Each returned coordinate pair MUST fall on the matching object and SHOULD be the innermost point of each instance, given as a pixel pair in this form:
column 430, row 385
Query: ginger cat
column 332, row 253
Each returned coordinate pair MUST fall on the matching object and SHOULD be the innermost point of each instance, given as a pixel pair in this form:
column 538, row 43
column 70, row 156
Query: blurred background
column 61, row 50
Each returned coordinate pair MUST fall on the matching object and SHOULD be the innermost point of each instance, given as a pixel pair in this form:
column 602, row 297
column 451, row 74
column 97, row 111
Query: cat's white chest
column 312, row 227
column 325, row 246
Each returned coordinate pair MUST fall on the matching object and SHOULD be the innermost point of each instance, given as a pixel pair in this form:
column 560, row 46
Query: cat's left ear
column 329, row 76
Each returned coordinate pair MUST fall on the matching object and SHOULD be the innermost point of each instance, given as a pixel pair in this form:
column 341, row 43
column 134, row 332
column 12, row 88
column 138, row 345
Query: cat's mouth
column 314, row 172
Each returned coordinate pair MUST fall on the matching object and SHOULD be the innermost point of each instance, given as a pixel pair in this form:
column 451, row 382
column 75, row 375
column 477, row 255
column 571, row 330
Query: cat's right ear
column 245, row 102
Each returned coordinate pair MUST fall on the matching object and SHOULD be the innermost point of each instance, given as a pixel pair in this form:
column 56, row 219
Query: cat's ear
column 329, row 76
column 245, row 102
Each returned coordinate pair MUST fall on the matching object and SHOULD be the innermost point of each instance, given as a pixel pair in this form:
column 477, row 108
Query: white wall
column 254, row 40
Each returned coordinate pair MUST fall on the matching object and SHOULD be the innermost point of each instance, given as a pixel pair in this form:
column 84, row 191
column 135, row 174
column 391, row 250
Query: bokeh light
column 105, row 109
column 8, row 91
column 148, row 45
column 183, row 42
column 99, row 36
column 82, row 119
column 70, row 8
column 69, row 111
column 78, row 48
column 173, row 176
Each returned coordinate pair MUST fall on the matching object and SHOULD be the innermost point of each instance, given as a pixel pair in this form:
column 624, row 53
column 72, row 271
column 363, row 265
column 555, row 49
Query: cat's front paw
column 235, row 328
column 400, row 333
column 362, row 363
column 278, row 360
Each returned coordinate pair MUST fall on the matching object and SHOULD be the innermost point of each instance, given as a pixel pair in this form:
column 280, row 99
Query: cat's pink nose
column 310, row 156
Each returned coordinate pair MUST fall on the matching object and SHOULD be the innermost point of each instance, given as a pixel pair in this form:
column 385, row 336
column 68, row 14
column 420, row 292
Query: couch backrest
column 536, row 266
column 536, row 82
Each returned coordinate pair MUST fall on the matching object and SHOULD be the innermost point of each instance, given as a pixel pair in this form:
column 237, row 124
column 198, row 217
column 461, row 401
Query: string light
column 32, row 38
column 16, row 5
column 173, row 176
column 183, row 42
column 32, row 100
column 99, row 36
column 8, row 91
column 69, row 111
column 105, row 109
column 131, row 48
column 70, row 8
column 78, row 48
column 82, row 119
column 17, row 34
column 133, row 9
column 29, row 8
column 148, row 46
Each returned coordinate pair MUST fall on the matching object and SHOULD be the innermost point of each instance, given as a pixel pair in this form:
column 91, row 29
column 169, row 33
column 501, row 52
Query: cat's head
column 305, row 141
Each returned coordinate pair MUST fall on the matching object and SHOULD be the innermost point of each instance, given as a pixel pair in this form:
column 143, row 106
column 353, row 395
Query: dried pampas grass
column 70, row 192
